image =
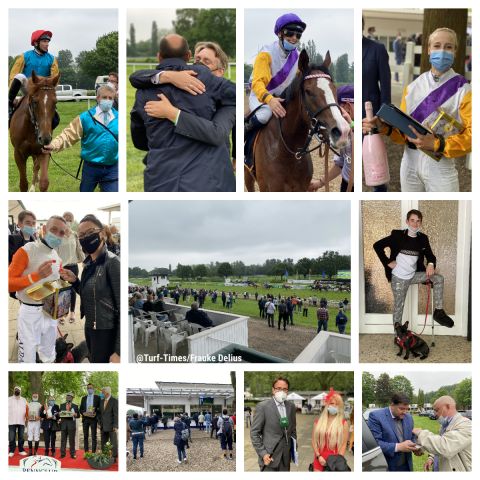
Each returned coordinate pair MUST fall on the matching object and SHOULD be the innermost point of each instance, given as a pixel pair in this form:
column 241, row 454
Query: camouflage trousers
column 400, row 288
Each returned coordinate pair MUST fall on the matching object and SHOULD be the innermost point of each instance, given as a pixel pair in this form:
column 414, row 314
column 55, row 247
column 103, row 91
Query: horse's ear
column 56, row 79
column 303, row 61
column 34, row 77
column 328, row 61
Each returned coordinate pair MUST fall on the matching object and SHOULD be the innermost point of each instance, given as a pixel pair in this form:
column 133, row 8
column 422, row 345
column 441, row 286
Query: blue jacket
column 40, row 63
column 178, row 426
column 382, row 426
column 376, row 78
column 98, row 145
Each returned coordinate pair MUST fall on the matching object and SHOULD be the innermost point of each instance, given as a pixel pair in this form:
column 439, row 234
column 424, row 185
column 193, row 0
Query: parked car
column 101, row 80
column 466, row 413
column 68, row 91
column 432, row 415
column 367, row 412
column 427, row 413
column 373, row 459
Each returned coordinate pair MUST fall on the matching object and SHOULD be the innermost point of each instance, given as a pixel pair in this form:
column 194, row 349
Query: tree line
column 81, row 72
column 214, row 25
column 379, row 391
column 260, row 383
column 328, row 265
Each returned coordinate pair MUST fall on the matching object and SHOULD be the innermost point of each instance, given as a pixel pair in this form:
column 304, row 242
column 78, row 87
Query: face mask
column 17, row 393
column 28, row 230
column 443, row 421
column 91, row 243
column 280, row 397
column 288, row 46
column 35, row 399
column 413, row 230
column 51, row 403
column 332, row 410
column 90, row 391
column 69, row 399
column 105, row 105
column 52, row 240
column 441, row 60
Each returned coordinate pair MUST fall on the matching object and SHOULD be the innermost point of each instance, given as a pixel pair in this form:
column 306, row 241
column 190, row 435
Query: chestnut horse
column 282, row 148
column 31, row 129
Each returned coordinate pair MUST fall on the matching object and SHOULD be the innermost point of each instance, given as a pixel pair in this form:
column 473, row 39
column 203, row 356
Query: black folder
column 394, row 117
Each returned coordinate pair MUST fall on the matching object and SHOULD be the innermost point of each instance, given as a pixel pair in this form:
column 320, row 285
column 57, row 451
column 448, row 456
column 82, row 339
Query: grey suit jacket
column 109, row 415
column 267, row 435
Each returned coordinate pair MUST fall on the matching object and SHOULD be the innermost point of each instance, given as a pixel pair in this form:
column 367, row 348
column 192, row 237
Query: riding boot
column 251, row 127
column 36, row 447
column 12, row 94
column 30, row 448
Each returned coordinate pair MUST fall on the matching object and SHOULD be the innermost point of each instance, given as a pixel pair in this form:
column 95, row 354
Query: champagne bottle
column 374, row 154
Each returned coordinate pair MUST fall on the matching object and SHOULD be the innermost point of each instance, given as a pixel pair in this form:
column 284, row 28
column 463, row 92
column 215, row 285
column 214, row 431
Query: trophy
column 90, row 412
column 68, row 413
column 56, row 297
column 445, row 124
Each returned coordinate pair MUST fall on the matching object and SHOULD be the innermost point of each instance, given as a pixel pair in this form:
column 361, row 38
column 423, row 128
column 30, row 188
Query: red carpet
column 78, row 464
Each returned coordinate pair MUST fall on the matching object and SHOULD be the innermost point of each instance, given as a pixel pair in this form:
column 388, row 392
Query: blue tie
column 106, row 118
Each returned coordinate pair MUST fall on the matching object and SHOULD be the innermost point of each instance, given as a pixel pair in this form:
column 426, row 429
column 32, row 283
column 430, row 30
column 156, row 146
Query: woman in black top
column 99, row 290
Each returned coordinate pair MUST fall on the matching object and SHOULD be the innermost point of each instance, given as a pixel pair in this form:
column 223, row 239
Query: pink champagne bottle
column 374, row 153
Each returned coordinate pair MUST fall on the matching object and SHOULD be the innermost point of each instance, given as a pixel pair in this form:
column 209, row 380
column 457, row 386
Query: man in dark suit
column 50, row 414
column 376, row 79
column 109, row 420
column 198, row 316
column 409, row 249
column 176, row 162
column 392, row 428
column 273, row 429
column 89, row 410
column 68, row 425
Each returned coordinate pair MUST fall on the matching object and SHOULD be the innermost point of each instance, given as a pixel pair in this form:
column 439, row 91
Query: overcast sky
column 331, row 29
column 429, row 381
column 142, row 18
column 73, row 29
column 44, row 209
column 188, row 232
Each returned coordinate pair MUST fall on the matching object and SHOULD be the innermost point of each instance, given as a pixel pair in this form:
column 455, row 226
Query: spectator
column 17, row 416
column 225, row 432
column 138, row 435
column 322, row 317
column 341, row 321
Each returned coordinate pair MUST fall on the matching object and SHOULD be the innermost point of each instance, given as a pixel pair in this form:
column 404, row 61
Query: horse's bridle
column 317, row 127
column 31, row 111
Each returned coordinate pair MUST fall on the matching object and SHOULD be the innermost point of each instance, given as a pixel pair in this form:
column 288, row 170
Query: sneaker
column 11, row 454
column 185, row 460
column 22, row 453
column 179, row 461
column 442, row 318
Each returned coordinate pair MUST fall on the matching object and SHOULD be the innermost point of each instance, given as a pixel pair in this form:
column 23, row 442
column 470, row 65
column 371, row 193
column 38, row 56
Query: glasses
column 83, row 235
column 280, row 390
column 291, row 33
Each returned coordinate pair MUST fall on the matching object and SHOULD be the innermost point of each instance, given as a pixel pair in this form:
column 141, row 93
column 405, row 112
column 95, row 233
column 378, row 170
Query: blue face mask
column 441, row 60
column 105, row 105
column 28, row 230
column 413, row 230
column 90, row 391
column 52, row 240
column 288, row 46
column 51, row 403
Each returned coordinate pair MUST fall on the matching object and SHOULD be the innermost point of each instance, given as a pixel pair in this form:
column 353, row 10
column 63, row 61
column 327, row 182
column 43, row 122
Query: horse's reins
column 33, row 117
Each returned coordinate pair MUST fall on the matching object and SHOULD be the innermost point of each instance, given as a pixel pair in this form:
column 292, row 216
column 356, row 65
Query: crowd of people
column 222, row 426
column 84, row 254
column 98, row 413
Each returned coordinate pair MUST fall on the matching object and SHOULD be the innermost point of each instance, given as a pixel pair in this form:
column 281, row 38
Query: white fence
column 407, row 70
column 136, row 66
column 78, row 98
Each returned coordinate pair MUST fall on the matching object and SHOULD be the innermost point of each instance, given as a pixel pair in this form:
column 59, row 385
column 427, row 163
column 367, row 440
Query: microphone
column 284, row 425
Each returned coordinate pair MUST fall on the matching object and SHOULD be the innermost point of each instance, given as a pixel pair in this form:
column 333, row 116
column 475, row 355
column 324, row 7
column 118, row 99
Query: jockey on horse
column 38, row 60
column 274, row 69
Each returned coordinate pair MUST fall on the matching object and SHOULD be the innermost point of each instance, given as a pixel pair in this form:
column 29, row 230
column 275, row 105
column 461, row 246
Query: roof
column 110, row 208
column 184, row 389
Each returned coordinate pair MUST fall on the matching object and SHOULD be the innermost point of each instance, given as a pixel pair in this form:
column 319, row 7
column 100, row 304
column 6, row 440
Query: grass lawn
column 250, row 307
column 134, row 157
column 426, row 424
column 68, row 159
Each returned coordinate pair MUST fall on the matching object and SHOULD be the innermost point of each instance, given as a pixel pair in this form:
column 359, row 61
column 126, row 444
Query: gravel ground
column 204, row 455
column 379, row 348
column 279, row 343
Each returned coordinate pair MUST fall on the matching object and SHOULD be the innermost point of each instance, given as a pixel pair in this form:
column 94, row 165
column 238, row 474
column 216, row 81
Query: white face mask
column 280, row 396
column 332, row 410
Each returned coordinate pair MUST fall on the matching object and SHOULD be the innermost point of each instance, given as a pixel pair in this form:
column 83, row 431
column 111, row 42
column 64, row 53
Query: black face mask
column 17, row 393
column 91, row 243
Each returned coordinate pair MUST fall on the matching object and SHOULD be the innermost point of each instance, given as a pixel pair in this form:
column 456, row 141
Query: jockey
column 274, row 69
column 438, row 90
column 38, row 60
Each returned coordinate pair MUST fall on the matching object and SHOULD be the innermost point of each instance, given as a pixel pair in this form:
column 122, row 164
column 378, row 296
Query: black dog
column 407, row 340
column 67, row 353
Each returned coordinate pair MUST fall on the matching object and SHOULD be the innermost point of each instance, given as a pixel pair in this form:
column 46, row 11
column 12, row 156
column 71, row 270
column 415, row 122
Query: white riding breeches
column 33, row 431
column 263, row 114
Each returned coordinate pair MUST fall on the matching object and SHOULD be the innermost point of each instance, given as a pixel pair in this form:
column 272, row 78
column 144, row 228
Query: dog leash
column 429, row 288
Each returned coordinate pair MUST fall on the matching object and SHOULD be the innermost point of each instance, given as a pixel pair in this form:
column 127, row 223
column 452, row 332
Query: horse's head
column 320, row 97
column 41, row 105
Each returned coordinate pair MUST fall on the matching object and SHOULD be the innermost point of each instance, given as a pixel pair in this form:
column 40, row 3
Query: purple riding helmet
column 291, row 20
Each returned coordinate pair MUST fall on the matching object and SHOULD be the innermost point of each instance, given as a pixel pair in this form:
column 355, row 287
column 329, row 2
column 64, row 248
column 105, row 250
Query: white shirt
column 17, row 409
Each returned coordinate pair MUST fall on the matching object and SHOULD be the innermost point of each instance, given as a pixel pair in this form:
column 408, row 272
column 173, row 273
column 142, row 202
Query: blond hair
column 444, row 29
column 330, row 436
column 220, row 55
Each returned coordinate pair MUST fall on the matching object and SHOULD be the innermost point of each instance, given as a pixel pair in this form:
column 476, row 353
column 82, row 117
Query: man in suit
column 50, row 414
column 25, row 233
column 376, row 78
column 200, row 317
column 89, row 410
column 451, row 449
column 176, row 162
column 68, row 426
column 392, row 428
column 273, row 429
column 109, row 420
column 409, row 249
